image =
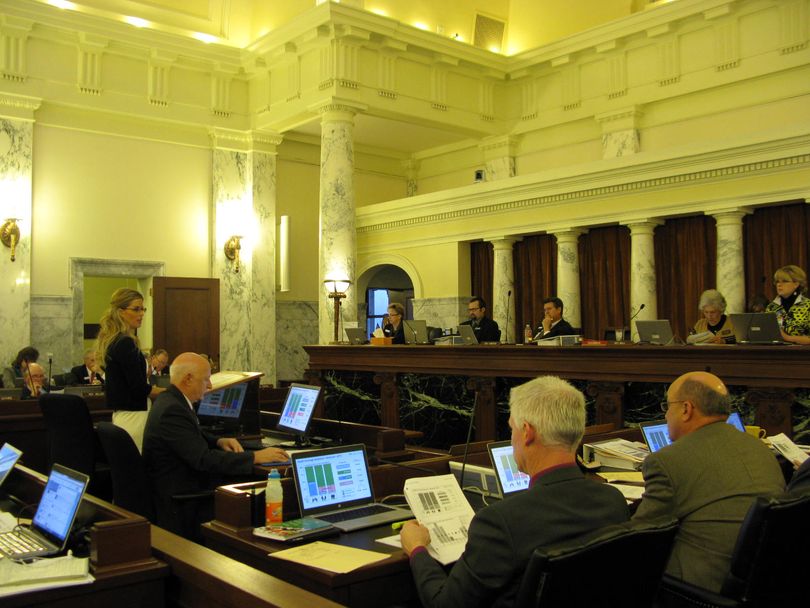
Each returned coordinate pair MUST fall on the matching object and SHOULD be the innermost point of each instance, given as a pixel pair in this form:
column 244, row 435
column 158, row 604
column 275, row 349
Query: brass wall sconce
column 232, row 248
column 337, row 291
column 10, row 235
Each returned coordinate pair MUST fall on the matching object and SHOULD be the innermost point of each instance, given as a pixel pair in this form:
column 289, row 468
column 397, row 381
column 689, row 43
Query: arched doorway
column 377, row 287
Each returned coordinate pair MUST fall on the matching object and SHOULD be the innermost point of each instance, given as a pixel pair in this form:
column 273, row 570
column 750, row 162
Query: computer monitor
column 220, row 410
column 656, row 433
column 657, row 331
column 296, row 415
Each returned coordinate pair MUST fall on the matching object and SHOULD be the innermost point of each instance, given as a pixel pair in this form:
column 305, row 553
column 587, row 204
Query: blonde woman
column 126, row 382
column 791, row 306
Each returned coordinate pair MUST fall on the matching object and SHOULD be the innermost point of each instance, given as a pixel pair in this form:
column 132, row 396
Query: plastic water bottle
column 527, row 334
column 274, row 499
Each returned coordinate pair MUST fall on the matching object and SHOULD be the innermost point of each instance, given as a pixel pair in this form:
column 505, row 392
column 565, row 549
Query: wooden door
column 186, row 315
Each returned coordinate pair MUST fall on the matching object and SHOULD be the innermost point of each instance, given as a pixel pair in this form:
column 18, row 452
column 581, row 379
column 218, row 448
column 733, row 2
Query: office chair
column 130, row 484
column 764, row 570
column 617, row 566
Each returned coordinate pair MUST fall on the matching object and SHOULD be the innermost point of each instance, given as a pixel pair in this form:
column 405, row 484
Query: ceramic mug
column 756, row 431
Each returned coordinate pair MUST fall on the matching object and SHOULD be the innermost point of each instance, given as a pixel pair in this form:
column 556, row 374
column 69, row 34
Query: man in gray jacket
column 707, row 479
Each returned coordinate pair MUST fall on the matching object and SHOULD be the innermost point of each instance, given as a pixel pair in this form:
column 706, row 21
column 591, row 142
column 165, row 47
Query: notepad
column 326, row 556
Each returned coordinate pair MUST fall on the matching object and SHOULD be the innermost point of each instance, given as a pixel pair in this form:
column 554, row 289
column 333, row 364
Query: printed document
column 439, row 504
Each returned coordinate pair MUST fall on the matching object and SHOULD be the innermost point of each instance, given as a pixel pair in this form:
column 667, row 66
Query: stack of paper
column 616, row 453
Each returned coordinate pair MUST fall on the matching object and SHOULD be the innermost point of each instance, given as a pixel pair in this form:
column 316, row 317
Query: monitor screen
column 510, row 479
column 298, row 408
column 224, row 403
column 333, row 477
column 59, row 503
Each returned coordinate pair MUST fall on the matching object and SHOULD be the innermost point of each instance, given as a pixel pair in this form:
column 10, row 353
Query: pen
column 398, row 524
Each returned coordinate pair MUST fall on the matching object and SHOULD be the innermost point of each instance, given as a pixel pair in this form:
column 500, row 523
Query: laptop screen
column 657, row 331
column 8, row 458
column 510, row 479
column 298, row 407
column 656, row 434
column 59, row 503
column 331, row 479
column 224, row 403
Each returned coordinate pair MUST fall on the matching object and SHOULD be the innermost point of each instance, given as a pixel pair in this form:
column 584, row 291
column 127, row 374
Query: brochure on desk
column 225, row 379
column 439, row 504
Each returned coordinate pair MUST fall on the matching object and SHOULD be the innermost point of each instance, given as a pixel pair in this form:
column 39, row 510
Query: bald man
column 34, row 382
column 180, row 458
column 707, row 479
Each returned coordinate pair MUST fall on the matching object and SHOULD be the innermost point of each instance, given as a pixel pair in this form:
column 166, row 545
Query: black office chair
column 617, row 566
column 72, row 440
column 130, row 484
column 764, row 570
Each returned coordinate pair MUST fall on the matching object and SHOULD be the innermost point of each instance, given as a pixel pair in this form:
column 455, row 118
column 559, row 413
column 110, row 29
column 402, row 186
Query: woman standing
column 126, row 374
column 791, row 307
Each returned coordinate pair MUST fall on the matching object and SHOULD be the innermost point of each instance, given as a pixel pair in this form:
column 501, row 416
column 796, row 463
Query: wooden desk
column 770, row 373
column 127, row 575
column 377, row 585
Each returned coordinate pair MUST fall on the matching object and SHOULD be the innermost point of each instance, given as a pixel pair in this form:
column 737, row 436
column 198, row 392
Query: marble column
column 502, row 306
column 338, row 249
column 15, row 202
column 730, row 262
column 642, row 271
column 568, row 289
column 244, row 199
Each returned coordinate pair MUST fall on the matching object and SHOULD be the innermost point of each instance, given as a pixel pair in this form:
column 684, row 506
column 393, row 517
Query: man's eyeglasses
column 665, row 404
column 473, row 309
column 136, row 309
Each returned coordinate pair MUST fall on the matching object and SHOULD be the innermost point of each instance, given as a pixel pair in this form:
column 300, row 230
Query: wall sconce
column 337, row 291
column 232, row 248
column 10, row 235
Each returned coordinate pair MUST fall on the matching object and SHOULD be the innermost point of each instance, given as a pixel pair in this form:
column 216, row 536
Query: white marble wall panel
column 642, row 272
column 15, row 201
column 296, row 325
column 52, row 331
column 730, row 261
column 502, row 306
column 244, row 204
column 500, row 168
column 620, row 143
column 441, row 312
column 338, row 249
column 568, row 289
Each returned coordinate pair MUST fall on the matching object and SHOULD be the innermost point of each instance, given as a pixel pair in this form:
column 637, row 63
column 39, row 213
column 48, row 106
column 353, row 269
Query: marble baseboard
column 296, row 325
column 52, row 331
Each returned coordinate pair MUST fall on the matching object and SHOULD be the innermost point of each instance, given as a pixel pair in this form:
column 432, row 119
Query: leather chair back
column 130, row 484
column 71, row 439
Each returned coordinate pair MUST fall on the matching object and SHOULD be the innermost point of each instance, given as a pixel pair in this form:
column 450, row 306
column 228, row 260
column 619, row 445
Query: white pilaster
column 642, row 270
column 730, row 263
column 502, row 306
column 568, row 289
column 16, row 136
column 338, row 238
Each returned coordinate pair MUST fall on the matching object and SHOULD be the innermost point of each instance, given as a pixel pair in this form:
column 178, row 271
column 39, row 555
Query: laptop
column 9, row 455
column 415, row 331
column 510, row 479
column 50, row 528
column 467, row 333
column 656, row 434
column 655, row 332
column 356, row 335
column 334, row 485
column 756, row 328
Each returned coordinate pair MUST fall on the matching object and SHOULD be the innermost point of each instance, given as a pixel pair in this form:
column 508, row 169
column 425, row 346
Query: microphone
column 469, row 435
column 506, row 329
column 50, row 368
column 640, row 308
column 413, row 331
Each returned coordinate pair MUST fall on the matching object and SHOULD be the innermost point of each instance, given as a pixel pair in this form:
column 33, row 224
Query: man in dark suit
column 547, row 421
column 553, row 324
column 180, row 458
column 707, row 479
column 87, row 373
column 486, row 330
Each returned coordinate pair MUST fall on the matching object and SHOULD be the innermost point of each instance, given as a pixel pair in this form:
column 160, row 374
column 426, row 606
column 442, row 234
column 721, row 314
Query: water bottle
column 527, row 334
column 274, row 499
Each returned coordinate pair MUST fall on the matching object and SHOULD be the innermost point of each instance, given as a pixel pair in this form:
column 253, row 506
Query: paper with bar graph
column 439, row 504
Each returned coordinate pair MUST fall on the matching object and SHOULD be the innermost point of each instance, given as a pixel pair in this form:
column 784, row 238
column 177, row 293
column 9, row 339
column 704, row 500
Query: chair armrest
column 674, row 593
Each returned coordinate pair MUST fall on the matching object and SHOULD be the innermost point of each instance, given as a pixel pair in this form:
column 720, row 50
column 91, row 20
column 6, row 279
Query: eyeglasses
column 136, row 309
column 778, row 281
column 473, row 309
column 394, row 314
column 665, row 404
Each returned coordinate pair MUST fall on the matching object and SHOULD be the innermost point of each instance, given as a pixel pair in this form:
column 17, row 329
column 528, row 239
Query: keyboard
column 358, row 513
column 15, row 543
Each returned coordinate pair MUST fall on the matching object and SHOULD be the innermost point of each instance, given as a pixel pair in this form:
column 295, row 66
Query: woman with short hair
column 715, row 327
column 792, row 308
